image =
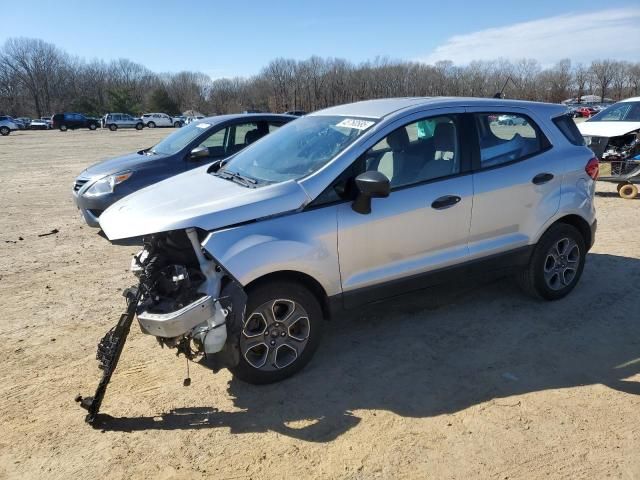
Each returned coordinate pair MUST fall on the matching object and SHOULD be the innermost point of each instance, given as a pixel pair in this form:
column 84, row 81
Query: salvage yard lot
column 456, row 382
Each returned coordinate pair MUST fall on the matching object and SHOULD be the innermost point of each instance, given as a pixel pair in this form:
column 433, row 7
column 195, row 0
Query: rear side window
column 569, row 129
column 507, row 137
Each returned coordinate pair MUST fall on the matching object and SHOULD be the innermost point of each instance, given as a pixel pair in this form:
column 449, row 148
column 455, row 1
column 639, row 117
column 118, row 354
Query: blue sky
column 238, row 38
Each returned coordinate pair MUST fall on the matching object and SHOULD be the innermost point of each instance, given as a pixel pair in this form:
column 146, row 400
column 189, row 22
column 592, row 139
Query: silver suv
column 114, row 121
column 244, row 259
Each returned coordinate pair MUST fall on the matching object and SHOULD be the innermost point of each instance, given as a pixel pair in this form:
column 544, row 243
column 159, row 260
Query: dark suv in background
column 66, row 121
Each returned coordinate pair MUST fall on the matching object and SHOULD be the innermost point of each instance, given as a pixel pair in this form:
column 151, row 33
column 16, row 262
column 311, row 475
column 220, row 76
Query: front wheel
column 177, row 125
column 92, row 126
column 556, row 263
column 63, row 128
column 280, row 333
column 4, row 131
column 113, row 127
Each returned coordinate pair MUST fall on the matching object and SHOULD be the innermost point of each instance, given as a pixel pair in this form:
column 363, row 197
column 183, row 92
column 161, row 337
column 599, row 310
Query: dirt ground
column 456, row 382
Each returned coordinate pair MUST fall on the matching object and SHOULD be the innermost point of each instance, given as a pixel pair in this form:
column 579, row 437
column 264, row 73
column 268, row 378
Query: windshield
column 180, row 138
column 620, row 112
column 298, row 148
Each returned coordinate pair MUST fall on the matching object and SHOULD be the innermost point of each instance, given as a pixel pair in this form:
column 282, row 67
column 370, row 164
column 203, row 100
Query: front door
column 423, row 225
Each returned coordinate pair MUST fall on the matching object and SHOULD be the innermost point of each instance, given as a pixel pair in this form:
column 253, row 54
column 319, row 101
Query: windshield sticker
column 203, row 125
column 355, row 123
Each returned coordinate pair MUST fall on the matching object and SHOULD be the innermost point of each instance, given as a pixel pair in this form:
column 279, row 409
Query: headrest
column 398, row 140
column 444, row 137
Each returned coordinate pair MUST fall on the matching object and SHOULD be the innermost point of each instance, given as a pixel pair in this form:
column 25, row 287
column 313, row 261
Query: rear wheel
column 63, row 128
column 628, row 191
column 4, row 131
column 139, row 126
column 280, row 334
column 151, row 125
column 113, row 127
column 556, row 264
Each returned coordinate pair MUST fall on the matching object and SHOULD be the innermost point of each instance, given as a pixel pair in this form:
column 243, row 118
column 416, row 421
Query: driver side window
column 418, row 152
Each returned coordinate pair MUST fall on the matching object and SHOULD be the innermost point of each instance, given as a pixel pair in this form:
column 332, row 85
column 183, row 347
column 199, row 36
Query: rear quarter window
column 569, row 129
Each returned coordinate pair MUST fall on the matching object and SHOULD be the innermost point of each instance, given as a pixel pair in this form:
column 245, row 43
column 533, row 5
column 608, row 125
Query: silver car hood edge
column 197, row 199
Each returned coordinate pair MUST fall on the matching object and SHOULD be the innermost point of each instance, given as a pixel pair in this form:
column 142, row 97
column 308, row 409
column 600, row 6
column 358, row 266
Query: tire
column 265, row 339
column 63, row 128
column 151, row 125
column 139, row 126
column 554, row 271
column 113, row 127
column 620, row 185
column 628, row 191
column 92, row 126
column 177, row 125
column 4, row 131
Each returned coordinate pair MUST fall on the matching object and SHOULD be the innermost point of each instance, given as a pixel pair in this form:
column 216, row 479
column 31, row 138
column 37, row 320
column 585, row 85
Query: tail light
column 593, row 168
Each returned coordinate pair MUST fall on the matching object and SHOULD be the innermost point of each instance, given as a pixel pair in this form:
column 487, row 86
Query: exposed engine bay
column 184, row 299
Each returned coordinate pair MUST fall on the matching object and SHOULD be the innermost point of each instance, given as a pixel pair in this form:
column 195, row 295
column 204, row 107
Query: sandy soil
column 458, row 382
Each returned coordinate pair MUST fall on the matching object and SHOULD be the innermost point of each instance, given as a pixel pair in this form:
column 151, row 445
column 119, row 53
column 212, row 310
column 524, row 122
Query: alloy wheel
column 275, row 334
column 561, row 264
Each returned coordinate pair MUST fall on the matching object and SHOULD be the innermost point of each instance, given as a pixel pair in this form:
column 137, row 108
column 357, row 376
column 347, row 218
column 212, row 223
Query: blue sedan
column 201, row 142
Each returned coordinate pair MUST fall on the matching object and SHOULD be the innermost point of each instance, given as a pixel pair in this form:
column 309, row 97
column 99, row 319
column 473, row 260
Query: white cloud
column 582, row 37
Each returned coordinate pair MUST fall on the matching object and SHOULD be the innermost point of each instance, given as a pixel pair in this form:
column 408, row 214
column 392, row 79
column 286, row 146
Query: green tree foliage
column 122, row 101
column 160, row 101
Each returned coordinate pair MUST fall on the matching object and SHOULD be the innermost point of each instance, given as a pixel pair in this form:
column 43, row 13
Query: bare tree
column 603, row 72
column 35, row 64
column 36, row 77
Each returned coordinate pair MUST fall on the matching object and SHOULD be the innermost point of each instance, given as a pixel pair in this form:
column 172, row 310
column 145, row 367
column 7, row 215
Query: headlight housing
column 106, row 184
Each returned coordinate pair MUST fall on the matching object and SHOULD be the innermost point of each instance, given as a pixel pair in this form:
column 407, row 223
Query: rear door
column 516, row 181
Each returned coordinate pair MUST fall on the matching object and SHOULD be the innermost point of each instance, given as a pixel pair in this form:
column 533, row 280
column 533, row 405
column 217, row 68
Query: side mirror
column 198, row 153
column 372, row 184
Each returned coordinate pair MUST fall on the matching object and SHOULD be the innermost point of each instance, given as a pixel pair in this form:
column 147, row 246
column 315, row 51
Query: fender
column 304, row 242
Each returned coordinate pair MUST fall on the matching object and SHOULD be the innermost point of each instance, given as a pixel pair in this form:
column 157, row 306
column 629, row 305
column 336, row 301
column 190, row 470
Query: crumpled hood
column 607, row 129
column 197, row 199
column 118, row 164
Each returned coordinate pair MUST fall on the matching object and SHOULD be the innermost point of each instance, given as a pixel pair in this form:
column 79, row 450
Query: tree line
column 37, row 79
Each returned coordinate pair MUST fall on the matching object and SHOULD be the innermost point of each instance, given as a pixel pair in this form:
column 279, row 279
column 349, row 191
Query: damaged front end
column 616, row 148
column 619, row 156
column 185, row 299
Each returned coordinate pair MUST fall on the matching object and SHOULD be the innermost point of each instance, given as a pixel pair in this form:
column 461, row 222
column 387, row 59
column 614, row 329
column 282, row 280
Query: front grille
column 79, row 183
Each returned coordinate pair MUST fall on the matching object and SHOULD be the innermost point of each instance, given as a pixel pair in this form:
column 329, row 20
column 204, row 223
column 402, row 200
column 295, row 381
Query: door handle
column 542, row 178
column 445, row 202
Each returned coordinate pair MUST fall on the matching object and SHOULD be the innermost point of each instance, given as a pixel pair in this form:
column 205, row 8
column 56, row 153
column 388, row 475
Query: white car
column 7, row 125
column 613, row 133
column 153, row 120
